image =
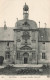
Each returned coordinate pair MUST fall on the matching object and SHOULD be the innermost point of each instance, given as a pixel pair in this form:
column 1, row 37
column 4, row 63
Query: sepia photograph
column 24, row 37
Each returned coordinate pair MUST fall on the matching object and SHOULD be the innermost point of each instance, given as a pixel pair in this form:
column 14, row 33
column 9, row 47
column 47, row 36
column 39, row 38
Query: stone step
column 27, row 65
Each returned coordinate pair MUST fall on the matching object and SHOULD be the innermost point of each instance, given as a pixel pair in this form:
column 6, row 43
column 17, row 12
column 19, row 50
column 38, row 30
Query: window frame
column 43, row 55
column 7, row 55
column 18, row 55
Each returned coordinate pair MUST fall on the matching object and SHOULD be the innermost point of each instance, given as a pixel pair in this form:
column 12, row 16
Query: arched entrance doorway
column 26, row 56
column 25, row 60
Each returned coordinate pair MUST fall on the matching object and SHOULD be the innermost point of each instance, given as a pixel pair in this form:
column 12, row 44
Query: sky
column 10, row 10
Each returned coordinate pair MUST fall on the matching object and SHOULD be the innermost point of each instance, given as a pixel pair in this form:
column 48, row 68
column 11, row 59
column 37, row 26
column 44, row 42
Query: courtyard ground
column 11, row 70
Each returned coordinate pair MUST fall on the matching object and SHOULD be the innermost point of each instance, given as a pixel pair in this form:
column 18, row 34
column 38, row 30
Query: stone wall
column 44, row 48
column 3, row 46
column 31, row 58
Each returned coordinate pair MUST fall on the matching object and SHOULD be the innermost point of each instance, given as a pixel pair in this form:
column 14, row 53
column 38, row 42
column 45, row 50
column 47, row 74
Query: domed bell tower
column 25, row 11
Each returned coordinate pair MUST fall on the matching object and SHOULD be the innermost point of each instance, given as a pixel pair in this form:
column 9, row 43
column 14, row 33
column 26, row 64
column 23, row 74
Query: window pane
column 43, row 55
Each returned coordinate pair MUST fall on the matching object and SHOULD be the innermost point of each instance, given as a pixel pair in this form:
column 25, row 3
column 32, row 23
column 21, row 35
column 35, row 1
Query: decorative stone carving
column 26, row 48
column 26, row 23
column 26, row 36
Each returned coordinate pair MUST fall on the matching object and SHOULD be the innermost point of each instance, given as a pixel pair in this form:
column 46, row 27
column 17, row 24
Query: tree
column 1, row 60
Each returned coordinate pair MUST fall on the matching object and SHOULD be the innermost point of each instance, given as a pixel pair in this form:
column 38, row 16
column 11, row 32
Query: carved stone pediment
column 26, row 48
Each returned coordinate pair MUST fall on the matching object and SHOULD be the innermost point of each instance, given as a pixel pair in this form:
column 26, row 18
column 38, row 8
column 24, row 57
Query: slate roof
column 8, row 34
column 45, row 32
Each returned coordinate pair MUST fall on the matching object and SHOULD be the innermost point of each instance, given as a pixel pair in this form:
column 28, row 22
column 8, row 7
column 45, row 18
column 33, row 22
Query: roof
column 26, row 24
column 44, row 34
column 8, row 34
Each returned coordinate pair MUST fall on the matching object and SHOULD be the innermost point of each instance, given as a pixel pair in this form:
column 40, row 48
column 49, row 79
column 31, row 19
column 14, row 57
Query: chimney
column 39, row 24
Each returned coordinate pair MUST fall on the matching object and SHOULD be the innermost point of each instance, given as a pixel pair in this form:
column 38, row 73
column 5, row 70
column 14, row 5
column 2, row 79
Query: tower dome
column 25, row 8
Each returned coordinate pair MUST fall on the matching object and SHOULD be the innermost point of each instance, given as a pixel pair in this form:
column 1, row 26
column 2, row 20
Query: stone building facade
column 25, row 43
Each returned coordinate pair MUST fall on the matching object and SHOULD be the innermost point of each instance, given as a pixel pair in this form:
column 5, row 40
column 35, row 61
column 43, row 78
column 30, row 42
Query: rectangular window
column 18, row 55
column 43, row 55
column 34, row 55
column 7, row 55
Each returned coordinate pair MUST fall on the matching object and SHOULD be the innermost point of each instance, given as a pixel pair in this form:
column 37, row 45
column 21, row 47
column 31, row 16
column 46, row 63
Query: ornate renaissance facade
column 25, row 43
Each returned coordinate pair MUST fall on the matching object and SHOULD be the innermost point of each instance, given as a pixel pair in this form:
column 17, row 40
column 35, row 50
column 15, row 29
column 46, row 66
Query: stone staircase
column 27, row 65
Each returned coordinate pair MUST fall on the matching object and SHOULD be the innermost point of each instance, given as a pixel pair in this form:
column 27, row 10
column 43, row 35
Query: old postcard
column 24, row 39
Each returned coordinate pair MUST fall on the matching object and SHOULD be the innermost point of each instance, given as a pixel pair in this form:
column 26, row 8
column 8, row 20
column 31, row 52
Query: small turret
column 25, row 11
